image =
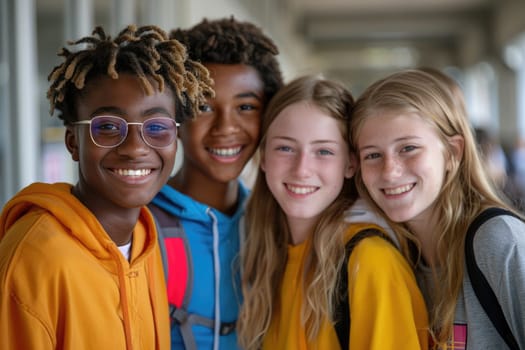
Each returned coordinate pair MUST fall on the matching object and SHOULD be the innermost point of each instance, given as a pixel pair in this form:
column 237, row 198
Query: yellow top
column 387, row 308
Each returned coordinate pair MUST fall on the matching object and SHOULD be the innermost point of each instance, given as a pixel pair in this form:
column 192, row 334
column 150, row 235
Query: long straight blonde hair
column 265, row 252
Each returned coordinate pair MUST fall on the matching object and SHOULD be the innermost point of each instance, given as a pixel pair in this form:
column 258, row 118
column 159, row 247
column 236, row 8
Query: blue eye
column 325, row 152
column 155, row 126
column 158, row 127
column 284, row 148
column 408, row 148
column 371, row 156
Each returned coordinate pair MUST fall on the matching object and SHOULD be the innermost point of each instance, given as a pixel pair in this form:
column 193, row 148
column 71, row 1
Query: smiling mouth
column 301, row 189
column 398, row 190
column 132, row 172
column 225, row 152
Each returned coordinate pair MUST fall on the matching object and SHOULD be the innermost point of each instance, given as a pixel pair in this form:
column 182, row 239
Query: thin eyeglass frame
column 127, row 124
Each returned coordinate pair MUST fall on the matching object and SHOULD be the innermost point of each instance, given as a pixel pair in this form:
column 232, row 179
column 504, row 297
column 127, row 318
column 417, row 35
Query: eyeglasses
column 108, row 131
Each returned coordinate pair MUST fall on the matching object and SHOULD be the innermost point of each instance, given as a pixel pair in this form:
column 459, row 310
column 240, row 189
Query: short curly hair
column 146, row 52
column 229, row 41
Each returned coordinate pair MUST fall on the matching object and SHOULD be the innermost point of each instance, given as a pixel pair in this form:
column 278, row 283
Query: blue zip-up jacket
column 214, row 241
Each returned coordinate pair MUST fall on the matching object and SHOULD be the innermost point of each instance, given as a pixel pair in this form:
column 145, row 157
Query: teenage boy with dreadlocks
column 79, row 265
column 201, row 207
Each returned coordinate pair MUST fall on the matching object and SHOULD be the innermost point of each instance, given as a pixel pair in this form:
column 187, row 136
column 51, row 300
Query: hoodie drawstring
column 123, row 296
column 217, row 272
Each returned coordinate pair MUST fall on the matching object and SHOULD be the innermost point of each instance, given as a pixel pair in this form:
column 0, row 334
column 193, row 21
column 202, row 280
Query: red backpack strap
column 177, row 264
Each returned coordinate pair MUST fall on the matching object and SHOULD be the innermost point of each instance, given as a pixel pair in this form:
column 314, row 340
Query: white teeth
column 225, row 152
column 133, row 172
column 398, row 190
column 301, row 189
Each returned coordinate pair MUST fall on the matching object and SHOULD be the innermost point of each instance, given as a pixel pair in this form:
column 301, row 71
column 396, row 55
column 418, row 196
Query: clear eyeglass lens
column 110, row 131
column 159, row 132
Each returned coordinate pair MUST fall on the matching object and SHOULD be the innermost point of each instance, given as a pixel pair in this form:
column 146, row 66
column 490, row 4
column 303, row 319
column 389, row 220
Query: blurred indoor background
column 480, row 43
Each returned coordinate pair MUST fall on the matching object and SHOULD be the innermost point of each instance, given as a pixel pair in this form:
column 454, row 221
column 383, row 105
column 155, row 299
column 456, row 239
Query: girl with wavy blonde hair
column 296, row 233
column 420, row 167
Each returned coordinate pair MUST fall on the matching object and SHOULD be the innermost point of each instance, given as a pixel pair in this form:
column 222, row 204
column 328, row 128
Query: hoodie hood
column 187, row 208
column 57, row 200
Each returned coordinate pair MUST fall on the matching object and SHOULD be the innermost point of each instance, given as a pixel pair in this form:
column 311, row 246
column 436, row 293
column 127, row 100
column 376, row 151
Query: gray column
column 122, row 14
column 6, row 179
column 78, row 18
column 21, row 141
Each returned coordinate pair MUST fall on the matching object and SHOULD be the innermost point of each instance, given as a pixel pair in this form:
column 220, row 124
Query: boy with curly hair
column 201, row 207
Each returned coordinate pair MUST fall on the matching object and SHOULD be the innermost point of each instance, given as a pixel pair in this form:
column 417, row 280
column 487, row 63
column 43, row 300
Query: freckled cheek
column 280, row 167
column 368, row 174
column 273, row 164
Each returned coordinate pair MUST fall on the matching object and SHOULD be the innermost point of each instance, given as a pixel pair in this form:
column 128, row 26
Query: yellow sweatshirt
column 64, row 284
column 387, row 310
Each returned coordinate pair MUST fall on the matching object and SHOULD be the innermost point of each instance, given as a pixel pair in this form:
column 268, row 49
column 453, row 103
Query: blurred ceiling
column 369, row 37
column 361, row 40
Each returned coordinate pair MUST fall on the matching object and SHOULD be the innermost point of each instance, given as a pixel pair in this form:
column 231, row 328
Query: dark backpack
column 484, row 293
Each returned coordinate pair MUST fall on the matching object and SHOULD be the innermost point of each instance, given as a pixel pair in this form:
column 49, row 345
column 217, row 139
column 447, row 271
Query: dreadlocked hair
column 228, row 41
column 146, row 52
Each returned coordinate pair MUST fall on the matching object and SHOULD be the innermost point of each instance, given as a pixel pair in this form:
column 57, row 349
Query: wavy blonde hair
column 466, row 190
column 265, row 252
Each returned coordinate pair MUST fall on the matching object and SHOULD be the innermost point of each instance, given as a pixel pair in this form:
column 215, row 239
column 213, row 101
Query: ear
column 351, row 166
column 71, row 140
column 457, row 143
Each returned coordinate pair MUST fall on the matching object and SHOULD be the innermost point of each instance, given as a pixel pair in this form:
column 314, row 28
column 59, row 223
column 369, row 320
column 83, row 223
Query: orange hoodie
column 64, row 284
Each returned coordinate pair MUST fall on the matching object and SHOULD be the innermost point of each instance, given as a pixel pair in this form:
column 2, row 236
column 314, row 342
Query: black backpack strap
column 342, row 306
column 482, row 289
column 162, row 247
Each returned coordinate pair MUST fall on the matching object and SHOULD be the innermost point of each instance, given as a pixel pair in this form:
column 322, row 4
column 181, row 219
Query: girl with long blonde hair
column 420, row 166
column 296, row 234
